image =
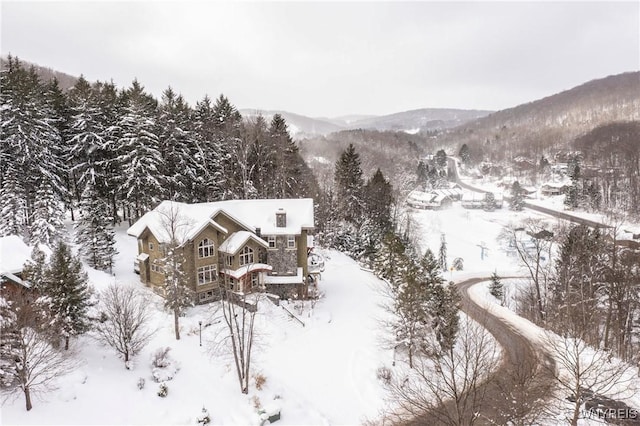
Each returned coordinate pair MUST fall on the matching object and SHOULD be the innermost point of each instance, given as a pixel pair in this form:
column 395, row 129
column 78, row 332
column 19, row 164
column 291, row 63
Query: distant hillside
column 426, row 119
column 65, row 81
column 299, row 125
column 551, row 123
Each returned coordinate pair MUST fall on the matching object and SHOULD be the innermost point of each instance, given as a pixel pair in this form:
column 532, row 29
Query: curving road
column 525, row 374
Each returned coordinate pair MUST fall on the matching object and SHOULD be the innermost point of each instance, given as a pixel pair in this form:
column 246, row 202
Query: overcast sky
column 330, row 59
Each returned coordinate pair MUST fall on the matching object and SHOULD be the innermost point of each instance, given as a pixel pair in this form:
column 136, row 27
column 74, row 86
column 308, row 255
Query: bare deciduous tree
column 177, row 293
column 28, row 362
column 238, row 313
column 533, row 245
column 126, row 317
column 446, row 389
column 585, row 372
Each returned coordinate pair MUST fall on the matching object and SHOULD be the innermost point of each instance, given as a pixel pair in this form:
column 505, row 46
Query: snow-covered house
column 437, row 199
column 249, row 244
column 14, row 253
column 552, row 188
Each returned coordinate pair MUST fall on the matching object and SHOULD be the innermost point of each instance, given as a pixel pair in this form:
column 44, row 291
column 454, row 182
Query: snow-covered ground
column 322, row 373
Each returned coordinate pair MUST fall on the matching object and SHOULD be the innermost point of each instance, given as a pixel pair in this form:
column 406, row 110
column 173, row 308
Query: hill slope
column 553, row 122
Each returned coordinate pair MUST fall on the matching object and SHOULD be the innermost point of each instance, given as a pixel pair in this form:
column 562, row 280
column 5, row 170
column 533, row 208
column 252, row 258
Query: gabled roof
column 237, row 240
column 13, row 254
column 251, row 214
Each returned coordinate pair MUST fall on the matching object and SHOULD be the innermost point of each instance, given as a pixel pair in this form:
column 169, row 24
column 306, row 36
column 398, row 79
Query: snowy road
column 525, row 373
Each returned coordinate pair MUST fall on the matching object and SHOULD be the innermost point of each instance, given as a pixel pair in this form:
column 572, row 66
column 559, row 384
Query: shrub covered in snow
column 164, row 368
column 163, row 390
column 260, row 381
column 204, row 418
column 141, row 383
column 384, row 374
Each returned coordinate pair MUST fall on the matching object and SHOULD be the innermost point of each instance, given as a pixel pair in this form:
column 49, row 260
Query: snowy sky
column 330, row 59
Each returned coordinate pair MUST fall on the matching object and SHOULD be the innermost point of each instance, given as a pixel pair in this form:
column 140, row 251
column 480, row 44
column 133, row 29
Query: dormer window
column 206, row 248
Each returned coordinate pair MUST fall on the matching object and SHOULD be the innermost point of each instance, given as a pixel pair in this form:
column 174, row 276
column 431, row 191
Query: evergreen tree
column 441, row 159
column 208, row 151
column 544, row 163
column 140, row 158
column 443, row 309
column 34, row 270
column 573, row 192
column 465, row 154
column 48, row 217
column 13, row 210
column 496, row 288
column 227, row 128
column 68, row 294
column 349, row 186
column 378, row 200
column 517, row 197
column 176, row 143
column 422, row 173
column 29, row 144
column 443, row 253
column 288, row 180
column 94, row 233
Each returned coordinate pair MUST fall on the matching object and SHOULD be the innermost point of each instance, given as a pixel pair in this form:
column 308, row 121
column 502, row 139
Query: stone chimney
column 281, row 218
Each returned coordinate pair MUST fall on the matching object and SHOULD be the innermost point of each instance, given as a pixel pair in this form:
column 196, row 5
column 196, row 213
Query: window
column 246, row 255
column 156, row 267
column 271, row 239
column 207, row 274
column 205, row 295
column 150, row 246
column 291, row 241
column 254, row 280
column 229, row 260
column 206, row 248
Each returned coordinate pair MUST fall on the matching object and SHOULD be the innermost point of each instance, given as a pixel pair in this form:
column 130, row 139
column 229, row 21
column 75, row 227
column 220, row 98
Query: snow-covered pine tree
column 517, row 197
column 465, row 154
column 349, row 186
column 111, row 106
column 13, row 210
column 48, row 217
column 496, row 289
column 68, row 294
column 260, row 155
column 29, row 143
column 94, row 232
column 207, row 151
column 179, row 169
column 442, row 260
column 443, row 309
column 288, row 180
column 34, row 270
column 139, row 156
column 86, row 139
column 378, row 199
column 227, row 128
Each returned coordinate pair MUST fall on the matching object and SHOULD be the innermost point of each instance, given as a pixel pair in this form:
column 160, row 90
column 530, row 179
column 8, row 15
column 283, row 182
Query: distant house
column 551, row 189
column 14, row 253
column 434, row 200
column 477, row 200
column 249, row 244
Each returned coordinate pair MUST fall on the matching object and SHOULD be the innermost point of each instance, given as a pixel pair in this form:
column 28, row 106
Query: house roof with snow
column 250, row 214
column 238, row 239
column 13, row 254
